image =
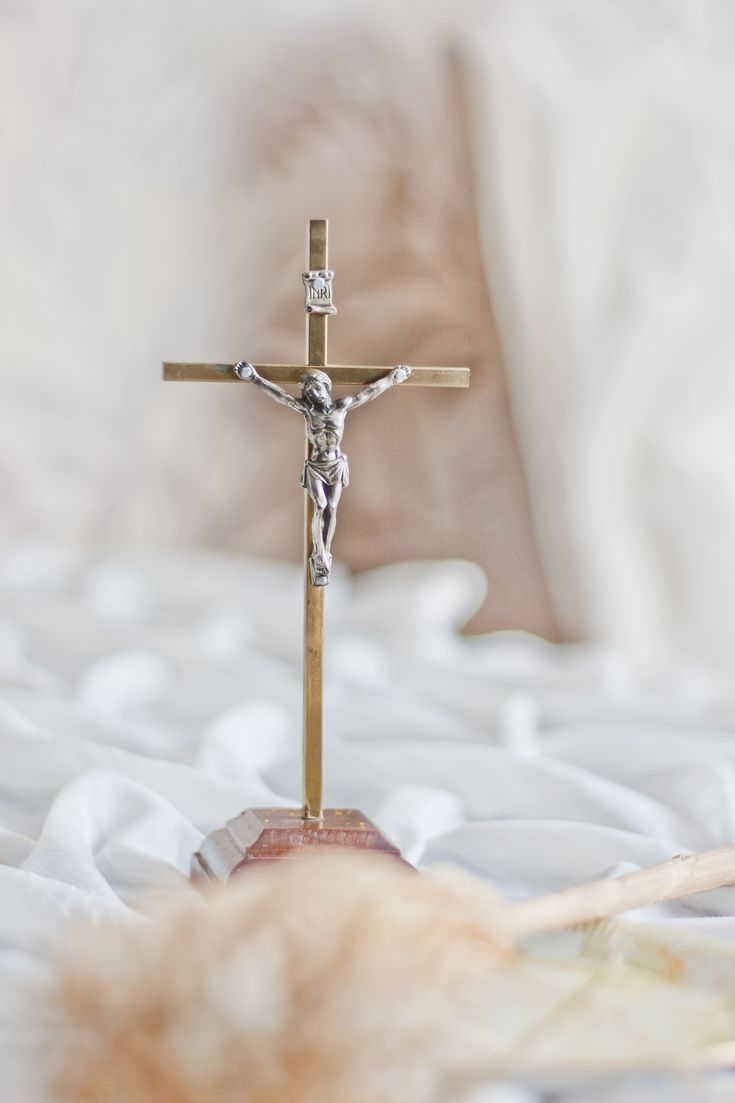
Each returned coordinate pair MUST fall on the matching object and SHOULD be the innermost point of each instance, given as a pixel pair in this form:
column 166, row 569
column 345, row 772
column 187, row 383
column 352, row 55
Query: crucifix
column 267, row 833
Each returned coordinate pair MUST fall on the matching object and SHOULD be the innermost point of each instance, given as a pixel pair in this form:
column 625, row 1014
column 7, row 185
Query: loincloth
column 325, row 473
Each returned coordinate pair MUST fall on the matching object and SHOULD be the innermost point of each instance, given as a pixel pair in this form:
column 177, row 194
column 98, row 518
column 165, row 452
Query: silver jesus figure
column 325, row 471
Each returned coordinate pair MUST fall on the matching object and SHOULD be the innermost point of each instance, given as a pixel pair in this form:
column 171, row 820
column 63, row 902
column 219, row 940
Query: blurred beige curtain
column 542, row 189
column 604, row 137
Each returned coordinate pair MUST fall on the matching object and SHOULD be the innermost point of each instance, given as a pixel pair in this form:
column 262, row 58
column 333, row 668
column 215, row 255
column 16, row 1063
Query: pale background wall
column 542, row 190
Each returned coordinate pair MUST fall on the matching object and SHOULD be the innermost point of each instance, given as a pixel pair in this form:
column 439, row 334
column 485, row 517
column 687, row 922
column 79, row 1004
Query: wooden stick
column 680, row 876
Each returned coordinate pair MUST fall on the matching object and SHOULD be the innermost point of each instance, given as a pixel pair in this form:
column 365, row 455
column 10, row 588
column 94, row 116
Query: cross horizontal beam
column 342, row 374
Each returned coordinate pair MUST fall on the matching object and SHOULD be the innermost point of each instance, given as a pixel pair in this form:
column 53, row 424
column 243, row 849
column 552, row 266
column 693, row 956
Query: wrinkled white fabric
column 146, row 700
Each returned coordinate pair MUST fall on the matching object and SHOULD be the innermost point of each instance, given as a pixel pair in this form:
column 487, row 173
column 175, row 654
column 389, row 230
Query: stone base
column 271, row 834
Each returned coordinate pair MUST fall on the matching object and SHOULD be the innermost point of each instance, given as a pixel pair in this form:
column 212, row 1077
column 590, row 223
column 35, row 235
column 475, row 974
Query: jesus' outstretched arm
column 367, row 394
column 245, row 371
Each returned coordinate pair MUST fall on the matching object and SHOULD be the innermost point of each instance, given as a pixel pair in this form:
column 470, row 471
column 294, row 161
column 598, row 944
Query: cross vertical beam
column 316, row 357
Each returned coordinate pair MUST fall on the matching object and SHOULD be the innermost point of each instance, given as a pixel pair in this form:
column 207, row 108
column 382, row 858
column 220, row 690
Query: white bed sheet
column 146, row 699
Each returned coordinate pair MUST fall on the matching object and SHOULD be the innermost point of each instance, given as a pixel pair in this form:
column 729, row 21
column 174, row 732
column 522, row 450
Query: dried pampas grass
column 329, row 978
column 344, row 978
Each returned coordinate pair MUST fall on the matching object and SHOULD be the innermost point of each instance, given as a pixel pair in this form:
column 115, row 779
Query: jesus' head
column 316, row 388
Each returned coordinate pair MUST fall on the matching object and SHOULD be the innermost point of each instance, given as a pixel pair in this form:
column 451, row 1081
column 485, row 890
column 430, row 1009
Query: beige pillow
column 383, row 151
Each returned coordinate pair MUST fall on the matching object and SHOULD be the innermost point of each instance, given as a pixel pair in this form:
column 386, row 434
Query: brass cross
column 350, row 375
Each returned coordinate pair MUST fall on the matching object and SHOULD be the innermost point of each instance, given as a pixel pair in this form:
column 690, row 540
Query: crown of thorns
column 308, row 378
